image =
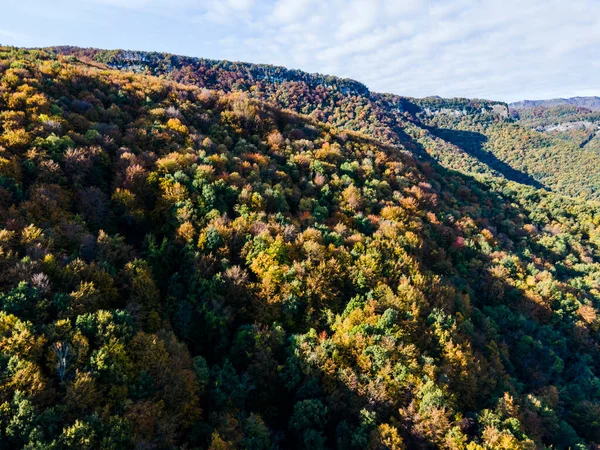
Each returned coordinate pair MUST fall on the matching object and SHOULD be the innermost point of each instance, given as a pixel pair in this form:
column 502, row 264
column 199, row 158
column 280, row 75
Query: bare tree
column 64, row 356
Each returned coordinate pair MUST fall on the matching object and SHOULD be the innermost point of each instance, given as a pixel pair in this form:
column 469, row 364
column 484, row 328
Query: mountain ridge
column 481, row 125
column 590, row 102
column 131, row 59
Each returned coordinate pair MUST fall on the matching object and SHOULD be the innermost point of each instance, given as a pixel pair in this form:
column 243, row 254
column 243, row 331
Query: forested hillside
column 187, row 268
column 576, row 125
column 555, row 158
column 472, row 136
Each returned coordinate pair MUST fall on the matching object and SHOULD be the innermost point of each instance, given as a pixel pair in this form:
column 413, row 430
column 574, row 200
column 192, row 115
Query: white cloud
column 129, row 4
column 156, row 6
column 504, row 49
column 240, row 5
column 495, row 48
column 358, row 17
column 404, row 8
column 286, row 11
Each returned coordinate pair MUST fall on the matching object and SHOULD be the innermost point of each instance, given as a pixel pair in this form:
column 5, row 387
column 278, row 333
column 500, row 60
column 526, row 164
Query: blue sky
column 498, row 49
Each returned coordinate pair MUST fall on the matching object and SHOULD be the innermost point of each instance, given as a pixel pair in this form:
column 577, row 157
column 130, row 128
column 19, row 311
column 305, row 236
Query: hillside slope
column 556, row 157
column 472, row 136
column 573, row 124
column 183, row 268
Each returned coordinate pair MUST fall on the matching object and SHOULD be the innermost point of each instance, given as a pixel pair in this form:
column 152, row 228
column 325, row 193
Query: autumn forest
column 199, row 254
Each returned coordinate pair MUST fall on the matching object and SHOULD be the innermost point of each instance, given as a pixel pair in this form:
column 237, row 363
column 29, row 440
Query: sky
column 495, row 49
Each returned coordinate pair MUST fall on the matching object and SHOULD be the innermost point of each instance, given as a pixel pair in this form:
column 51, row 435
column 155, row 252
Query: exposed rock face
column 446, row 111
column 501, row 109
column 463, row 107
column 566, row 126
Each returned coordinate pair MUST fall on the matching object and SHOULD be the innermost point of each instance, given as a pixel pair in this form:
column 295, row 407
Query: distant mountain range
column 592, row 103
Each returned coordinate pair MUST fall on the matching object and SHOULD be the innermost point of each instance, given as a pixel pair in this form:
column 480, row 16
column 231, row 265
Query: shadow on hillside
column 473, row 142
column 497, row 303
column 501, row 357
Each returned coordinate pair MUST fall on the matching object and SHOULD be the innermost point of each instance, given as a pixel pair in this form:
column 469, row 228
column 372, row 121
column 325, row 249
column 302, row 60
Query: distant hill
column 472, row 136
column 572, row 124
column 592, row 103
